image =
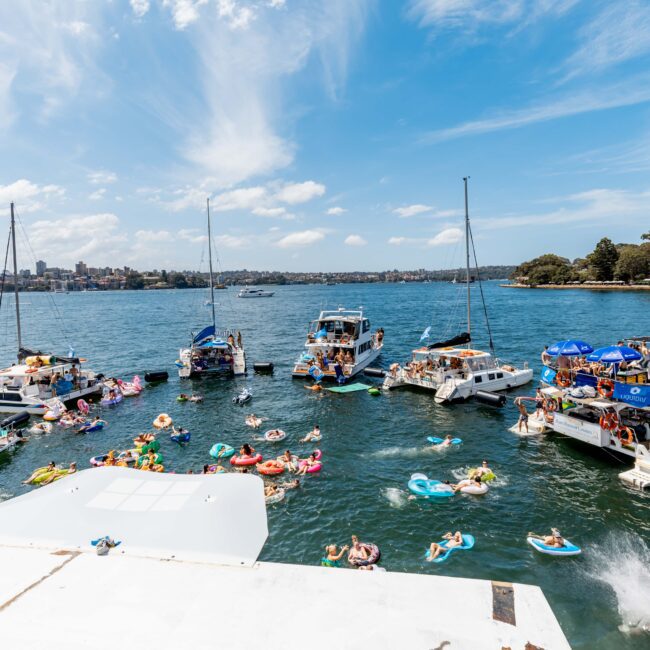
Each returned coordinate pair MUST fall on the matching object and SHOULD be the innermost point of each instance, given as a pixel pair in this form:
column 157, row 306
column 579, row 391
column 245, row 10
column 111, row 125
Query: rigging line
column 480, row 286
column 59, row 317
column 4, row 271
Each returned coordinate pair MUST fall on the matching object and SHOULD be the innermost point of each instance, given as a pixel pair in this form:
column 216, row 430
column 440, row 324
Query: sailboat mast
column 469, row 295
column 214, row 320
column 13, row 245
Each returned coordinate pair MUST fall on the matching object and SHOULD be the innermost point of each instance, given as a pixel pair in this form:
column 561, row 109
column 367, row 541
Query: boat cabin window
column 478, row 379
column 365, row 325
column 499, row 375
column 491, row 375
column 481, row 363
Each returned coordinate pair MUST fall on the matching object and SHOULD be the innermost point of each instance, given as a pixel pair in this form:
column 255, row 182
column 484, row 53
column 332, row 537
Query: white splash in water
column 396, row 498
column 623, row 563
column 403, row 452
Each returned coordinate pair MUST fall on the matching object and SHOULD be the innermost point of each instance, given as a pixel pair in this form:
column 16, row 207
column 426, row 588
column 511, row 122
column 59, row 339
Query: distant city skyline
column 329, row 136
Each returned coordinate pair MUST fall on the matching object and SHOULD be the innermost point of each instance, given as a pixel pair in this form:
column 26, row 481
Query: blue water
column 372, row 445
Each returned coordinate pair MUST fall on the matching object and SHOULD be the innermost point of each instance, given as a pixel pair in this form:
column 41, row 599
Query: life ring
column 243, row 461
column 551, row 405
column 162, row 421
column 471, row 488
column 608, row 421
column 374, row 554
column 221, row 450
column 83, row 406
column 625, row 435
column 270, row 468
column 345, row 339
column 215, row 469
column 606, row 387
column 563, row 379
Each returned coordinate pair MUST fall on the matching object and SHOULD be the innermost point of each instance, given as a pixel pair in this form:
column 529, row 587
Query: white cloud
column 301, row 238
column 618, row 33
column 77, row 237
column 28, row 196
column 187, row 197
column 336, row 210
column 192, row 235
column 634, row 91
column 469, row 15
column 238, row 129
column 230, row 241
column 153, row 235
column 97, row 195
column 412, row 210
column 355, row 240
column 270, row 212
column 445, row 237
column 101, row 177
column 244, row 198
column 139, row 7
column 294, row 193
column 184, row 12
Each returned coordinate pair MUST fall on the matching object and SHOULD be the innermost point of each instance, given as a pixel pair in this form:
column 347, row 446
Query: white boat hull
column 302, row 369
column 36, row 406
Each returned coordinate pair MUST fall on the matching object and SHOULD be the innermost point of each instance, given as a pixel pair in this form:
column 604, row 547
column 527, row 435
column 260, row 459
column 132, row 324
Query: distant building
column 25, row 273
column 40, row 268
column 80, row 268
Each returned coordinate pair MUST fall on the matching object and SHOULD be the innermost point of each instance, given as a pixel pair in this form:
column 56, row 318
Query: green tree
column 603, row 259
column 546, row 269
column 134, row 281
column 645, row 236
column 633, row 263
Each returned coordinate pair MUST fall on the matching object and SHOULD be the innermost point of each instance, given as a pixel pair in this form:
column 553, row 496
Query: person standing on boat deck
column 523, row 415
column 239, row 343
column 231, row 340
column 539, row 403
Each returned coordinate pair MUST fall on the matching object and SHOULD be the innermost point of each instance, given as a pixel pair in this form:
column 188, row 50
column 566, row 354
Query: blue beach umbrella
column 615, row 354
column 572, row 348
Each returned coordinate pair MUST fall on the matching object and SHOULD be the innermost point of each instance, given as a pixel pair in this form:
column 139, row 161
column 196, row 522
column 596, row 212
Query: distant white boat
column 252, row 292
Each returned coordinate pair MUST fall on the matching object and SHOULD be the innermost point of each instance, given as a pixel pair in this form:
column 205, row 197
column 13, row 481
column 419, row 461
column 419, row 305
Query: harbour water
column 372, row 445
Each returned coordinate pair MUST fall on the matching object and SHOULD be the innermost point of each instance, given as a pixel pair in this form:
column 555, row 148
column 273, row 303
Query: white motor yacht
column 339, row 333
column 252, row 292
column 452, row 372
column 212, row 351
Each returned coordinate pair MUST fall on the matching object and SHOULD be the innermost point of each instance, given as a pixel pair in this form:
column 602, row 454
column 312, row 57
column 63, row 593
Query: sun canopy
column 615, row 354
column 571, row 348
column 204, row 334
column 451, row 343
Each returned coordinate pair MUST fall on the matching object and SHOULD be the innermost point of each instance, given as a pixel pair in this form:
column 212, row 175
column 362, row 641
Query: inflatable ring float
column 274, row 435
column 374, row 555
column 625, row 435
column 244, row 461
column 468, row 487
column 221, row 450
column 276, row 497
column 143, row 439
column 162, row 421
column 605, row 387
column 215, row 469
column 83, row 406
column 270, row 468
column 568, row 548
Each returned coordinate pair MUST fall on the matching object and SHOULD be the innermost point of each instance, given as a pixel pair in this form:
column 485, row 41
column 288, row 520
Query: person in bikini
column 453, row 541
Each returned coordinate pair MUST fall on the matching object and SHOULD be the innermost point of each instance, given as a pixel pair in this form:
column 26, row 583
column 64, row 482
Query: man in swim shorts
column 523, row 415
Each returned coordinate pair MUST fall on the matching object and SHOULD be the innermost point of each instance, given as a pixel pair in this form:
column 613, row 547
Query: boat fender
column 374, row 372
column 491, row 399
column 15, row 420
column 153, row 377
column 263, row 366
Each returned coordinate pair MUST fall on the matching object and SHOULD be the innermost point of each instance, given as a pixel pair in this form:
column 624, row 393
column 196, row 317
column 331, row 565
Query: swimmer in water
column 436, row 550
column 313, row 436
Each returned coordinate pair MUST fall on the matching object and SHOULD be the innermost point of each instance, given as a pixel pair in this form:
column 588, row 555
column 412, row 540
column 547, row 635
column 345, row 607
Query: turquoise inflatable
column 422, row 486
column 221, row 450
column 439, row 441
column 566, row 550
column 468, row 543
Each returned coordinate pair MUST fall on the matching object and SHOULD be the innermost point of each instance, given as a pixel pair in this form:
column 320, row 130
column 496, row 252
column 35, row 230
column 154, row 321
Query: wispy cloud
column 28, row 196
column 101, row 177
column 300, row 239
column 620, row 32
column 592, row 207
column 335, row 211
column 412, row 210
column 294, row 193
column 628, row 93
column 445, row 237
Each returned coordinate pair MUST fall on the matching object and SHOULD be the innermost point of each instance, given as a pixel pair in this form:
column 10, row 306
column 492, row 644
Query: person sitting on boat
column 288, row 459
column 313, row 436
column 435, row 550
column 332, row 557
column 246, row 451
column 394, row 368
column 380, row 336
column 310, row 462
column 523, row 415
column 348, row 357
column 554, row 539
column 546, row 357
column 231, row 340
column 339, row 358
column 239, row 342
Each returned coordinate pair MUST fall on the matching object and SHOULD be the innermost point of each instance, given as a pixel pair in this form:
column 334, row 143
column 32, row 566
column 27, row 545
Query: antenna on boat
column 469, row 295
column 13, row 245
column 214, row 320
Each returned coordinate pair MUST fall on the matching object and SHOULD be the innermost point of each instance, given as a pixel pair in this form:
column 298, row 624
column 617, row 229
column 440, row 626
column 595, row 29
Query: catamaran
column 452, row 372
column 212, row 351
column 41, row 382
column 339, row 345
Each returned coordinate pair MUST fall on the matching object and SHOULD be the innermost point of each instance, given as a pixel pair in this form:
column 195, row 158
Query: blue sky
column 329, row 135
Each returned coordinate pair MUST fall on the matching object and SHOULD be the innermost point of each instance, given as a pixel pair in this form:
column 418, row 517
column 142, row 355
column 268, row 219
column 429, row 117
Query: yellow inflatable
column 162, row 421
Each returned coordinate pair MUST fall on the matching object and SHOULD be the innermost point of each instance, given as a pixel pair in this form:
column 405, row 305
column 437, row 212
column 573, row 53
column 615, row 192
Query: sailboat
column 212, row 351
column 451, row 371
column 41, row 382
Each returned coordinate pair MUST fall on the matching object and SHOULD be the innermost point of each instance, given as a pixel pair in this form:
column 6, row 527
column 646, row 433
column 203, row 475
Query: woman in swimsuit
column 287, row 460
column 332, row 558
column 246, row 451
column 436, row 550
column 358, row 551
